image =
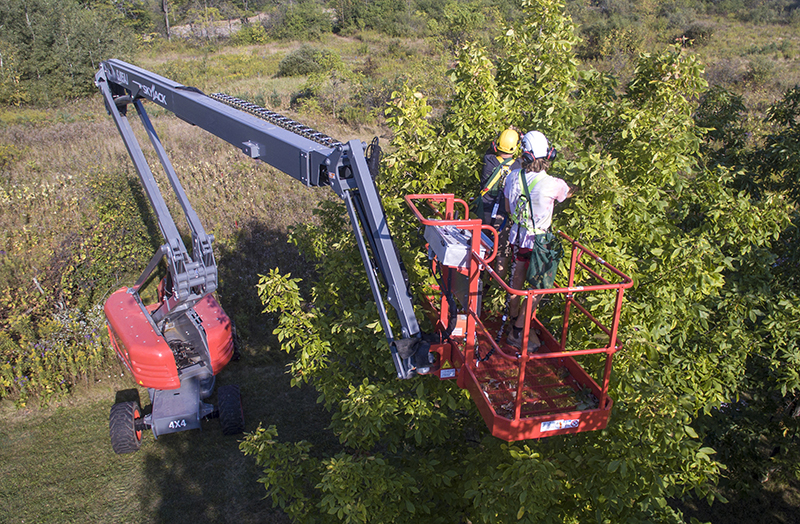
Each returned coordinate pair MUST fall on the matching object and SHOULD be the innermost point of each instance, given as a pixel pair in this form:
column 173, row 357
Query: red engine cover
column 146, row 354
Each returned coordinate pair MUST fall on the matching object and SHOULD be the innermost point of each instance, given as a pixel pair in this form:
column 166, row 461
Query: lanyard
column 527, row 191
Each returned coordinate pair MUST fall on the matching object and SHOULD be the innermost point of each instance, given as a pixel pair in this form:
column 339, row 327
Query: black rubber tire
column 231, row 415
column 122, row 426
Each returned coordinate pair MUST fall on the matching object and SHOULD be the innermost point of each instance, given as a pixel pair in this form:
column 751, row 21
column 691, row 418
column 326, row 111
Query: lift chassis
column 177, row 346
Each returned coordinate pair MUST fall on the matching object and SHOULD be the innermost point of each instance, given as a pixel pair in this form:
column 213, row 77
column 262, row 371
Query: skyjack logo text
column 118, row 76
column 152, row 94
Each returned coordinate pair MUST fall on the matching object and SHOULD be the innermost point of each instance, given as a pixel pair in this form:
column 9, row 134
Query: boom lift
column 176, row 346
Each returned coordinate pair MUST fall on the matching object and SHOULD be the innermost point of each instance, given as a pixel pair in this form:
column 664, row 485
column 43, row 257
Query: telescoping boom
column 297, row 150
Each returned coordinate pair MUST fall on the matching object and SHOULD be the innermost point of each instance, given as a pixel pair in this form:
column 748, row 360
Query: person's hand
column 572, row 190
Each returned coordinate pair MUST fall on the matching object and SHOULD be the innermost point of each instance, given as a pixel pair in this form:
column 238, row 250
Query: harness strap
column 527, row 193
column 497, row 174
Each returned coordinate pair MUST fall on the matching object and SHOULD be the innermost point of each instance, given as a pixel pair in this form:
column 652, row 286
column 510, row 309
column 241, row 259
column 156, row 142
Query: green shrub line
column 45, row 362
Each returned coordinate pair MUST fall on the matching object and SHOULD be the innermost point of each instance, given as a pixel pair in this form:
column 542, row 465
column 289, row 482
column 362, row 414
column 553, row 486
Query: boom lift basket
column 553, row 390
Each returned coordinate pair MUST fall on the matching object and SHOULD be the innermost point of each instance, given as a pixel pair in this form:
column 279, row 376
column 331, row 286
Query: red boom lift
column 176, row 346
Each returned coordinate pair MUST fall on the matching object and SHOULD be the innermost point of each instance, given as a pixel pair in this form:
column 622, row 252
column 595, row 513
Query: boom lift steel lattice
column 175, row 347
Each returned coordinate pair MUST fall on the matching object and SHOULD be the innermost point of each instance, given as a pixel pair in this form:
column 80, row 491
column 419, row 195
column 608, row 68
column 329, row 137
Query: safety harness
column 519, row 217
column 498, row 175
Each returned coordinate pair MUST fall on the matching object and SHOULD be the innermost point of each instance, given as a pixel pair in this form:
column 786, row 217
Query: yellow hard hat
column 507, row 142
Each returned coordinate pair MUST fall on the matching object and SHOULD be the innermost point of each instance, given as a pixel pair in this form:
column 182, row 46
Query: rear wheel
column 231, row 415
column 122, row 424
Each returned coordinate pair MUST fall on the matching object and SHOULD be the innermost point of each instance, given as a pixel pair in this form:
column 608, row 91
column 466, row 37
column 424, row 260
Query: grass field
column 56, row 463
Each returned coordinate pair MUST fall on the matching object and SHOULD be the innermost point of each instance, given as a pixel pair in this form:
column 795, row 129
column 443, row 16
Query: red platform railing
column 520, row 394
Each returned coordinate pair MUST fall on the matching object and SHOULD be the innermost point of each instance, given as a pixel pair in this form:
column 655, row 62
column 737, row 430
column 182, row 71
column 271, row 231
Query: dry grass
column 736, row 47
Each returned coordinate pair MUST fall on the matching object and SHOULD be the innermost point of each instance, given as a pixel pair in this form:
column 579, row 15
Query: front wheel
column 125, row 438
column 231, row 415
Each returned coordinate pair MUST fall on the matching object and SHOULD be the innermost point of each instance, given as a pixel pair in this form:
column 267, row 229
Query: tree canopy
column 707, row 322
column 50, row 49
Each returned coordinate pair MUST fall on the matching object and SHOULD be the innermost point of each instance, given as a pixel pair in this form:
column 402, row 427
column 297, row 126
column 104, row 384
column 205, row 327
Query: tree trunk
column 165, row 5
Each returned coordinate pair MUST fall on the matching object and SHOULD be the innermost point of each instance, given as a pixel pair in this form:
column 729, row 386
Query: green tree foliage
column 11, row 91
column 306, row 20
column 385, row 16
column 460, row 22
column 723, row 114
column 59, row 45
column 698, row 245
column 757, row 434
column 204, row 18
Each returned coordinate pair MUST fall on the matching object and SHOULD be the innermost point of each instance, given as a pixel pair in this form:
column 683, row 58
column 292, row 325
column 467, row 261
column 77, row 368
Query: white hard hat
column 536, row 143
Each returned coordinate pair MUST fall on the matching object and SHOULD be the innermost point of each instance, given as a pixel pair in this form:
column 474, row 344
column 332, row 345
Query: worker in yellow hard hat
column 498, row 162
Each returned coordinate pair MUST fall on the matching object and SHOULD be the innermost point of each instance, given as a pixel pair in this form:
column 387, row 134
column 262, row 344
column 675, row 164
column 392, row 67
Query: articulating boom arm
column 302, row 153
column 194, row 276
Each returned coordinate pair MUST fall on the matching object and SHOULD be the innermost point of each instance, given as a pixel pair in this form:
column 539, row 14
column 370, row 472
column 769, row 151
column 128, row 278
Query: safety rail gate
column 521, row 395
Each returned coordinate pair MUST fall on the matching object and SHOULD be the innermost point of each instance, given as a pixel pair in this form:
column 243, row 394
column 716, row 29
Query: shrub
column 114, row 247
column 356, row 116
column 726, row 72
column 52, row 322
column 306, row 20
column 794, row 18
column 250, row 34
column 760, row 70
column 698, row 33
column 68, row 347
column 762, row 13
column 305, row 60
column 9, row 153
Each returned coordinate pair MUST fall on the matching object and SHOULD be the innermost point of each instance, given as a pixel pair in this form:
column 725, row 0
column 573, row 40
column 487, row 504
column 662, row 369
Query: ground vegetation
column 678, row 121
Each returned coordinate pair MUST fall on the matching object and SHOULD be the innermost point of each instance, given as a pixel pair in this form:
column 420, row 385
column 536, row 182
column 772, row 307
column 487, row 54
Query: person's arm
column 564, row 190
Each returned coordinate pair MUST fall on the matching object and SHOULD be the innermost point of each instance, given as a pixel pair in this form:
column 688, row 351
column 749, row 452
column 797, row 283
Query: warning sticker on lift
column 447, row 371
column 555, row 425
